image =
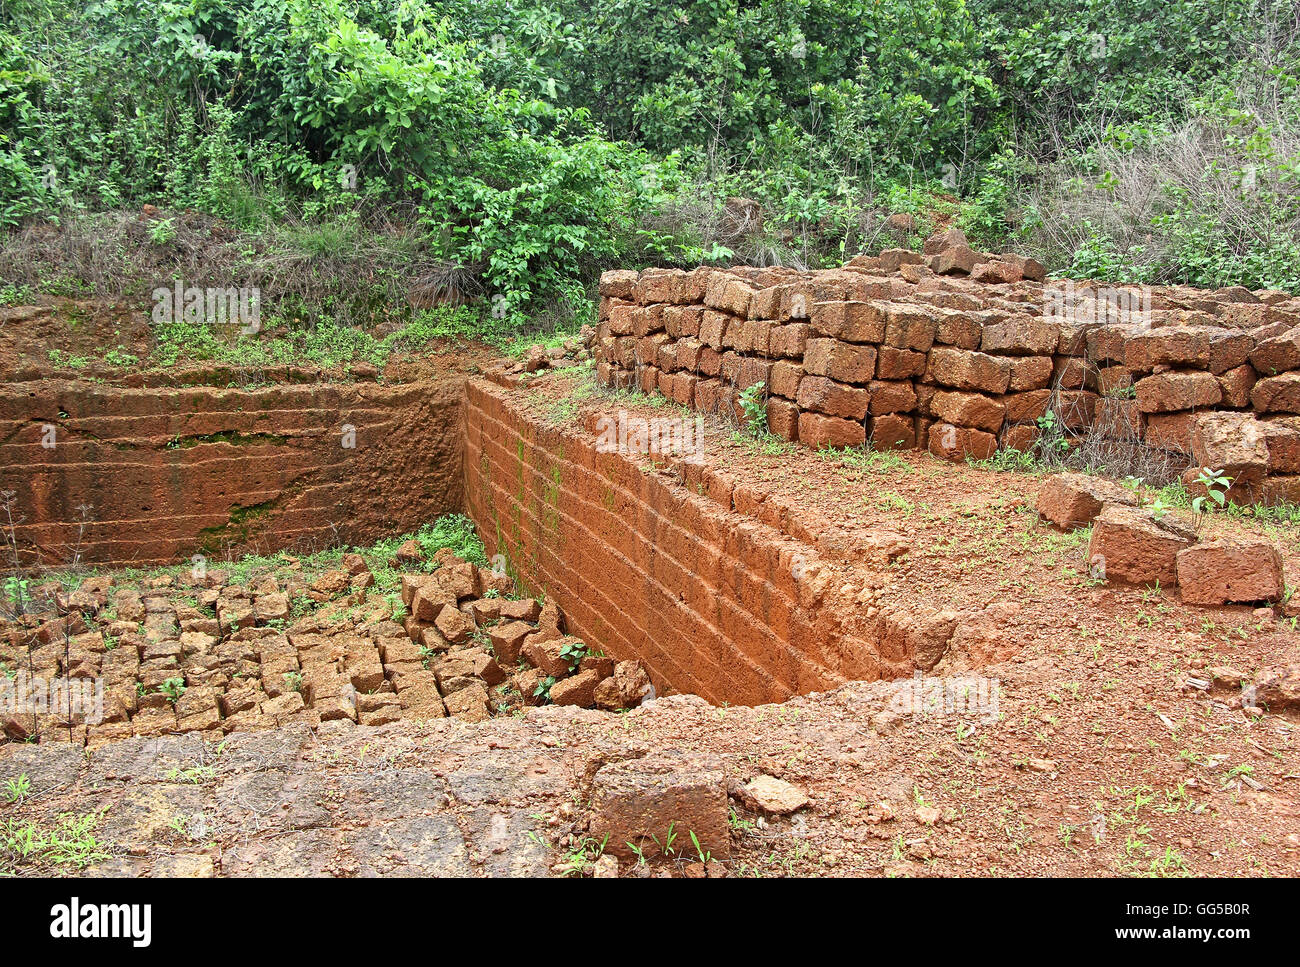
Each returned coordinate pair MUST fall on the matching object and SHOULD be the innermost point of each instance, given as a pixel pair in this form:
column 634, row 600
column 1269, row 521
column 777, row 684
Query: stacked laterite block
column 910, row 351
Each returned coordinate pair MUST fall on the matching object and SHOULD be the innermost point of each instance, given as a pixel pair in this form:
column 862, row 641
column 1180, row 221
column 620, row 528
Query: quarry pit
column 865, row 605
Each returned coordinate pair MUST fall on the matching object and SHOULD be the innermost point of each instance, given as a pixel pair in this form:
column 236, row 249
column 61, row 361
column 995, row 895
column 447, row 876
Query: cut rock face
column 1071, row 500
column 1129, row 545
column 1230, row 572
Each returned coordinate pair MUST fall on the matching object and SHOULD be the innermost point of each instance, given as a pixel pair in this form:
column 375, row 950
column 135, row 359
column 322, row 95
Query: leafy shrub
column 515, row 149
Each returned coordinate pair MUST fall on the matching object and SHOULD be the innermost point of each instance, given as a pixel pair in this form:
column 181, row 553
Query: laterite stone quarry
column 920, row 566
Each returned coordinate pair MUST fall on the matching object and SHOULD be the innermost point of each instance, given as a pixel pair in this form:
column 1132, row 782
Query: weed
column 543, row 689
column 753, row 404
column 17, row 789
column 173, row 688
column 163, row 231
column 573, row 654
column 70, row 842
column 705, row 856
column 1216, row 491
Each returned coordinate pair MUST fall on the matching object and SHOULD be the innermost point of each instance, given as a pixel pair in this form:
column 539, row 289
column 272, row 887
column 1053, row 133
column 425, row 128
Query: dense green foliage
column 528, row 143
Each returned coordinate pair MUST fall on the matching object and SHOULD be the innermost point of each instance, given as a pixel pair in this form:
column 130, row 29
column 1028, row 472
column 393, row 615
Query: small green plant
column 666, row 847
column 574, row 653
column 17, row 789
column 1159, row 508
column 1009, row 460
column 12, row 295
column 71, row 842
column 1053, row 432
column 196, row 775
column 16, row 592
column 583, row 854
column 293, row 681
column 753, row 404
column 173, row 688
column 162, row 231
column 706, row 856
column 120, row 357
column 1216, row 493
column 543, row 689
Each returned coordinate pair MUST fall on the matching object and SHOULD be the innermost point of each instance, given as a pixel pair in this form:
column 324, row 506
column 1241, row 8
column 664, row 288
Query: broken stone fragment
column 459, row 579
column 271, row 607
column 409, row 553
column 507, row 639
column 429, row 600
column 579, row 690
column 637, row 802
column 525, row 609
column 1230, row 572
column 332, row 582
column 550, row 620
column 492, row 580
column 607, row 696
column 1277, row 688
column 1234, row 443
column 527, row 682
column 419, row 696
column 997, row 270
column 943, row 240
column 771, row 795
column 603, row 665
column 477, row 662
column 468, row 704
column 378, row 709
column 1071, row 500
column 956, row 260
column 548, row 655
column 454, row 625
column 633, row 683
column 535, row 359
column 1130, row 545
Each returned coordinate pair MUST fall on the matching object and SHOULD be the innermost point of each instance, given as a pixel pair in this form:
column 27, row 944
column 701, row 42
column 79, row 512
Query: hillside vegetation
column 372, row 157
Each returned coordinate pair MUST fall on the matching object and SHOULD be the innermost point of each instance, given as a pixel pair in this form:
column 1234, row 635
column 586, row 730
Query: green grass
column 325, row 344
column 867, row 458
column 1011, row 461
column 70, row 842
column 15, row 295
column 454, row 532
column 514, row 344
column 763, row 444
